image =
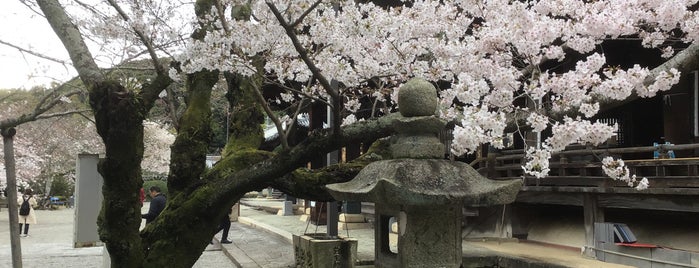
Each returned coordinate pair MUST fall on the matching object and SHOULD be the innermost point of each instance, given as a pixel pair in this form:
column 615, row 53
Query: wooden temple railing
column 579, row 170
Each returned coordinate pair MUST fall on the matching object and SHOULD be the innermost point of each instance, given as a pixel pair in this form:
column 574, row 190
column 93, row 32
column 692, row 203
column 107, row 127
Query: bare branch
column 287, row 88
column 47, row 102
column 146, row 41
column 7, row 96
column 303, row 53
column 32, row 8
column 34, row 53
column 270, row 113
column 221, row 16
column 305, row 13
column 300, row 107
column 52, row 115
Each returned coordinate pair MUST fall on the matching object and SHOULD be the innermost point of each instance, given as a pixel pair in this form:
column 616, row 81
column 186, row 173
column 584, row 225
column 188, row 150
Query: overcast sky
column 24, row 28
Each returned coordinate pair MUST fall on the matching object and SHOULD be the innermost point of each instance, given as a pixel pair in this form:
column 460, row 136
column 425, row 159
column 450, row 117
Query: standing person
column 26, row 203
column 157, row 204
column 225, row 225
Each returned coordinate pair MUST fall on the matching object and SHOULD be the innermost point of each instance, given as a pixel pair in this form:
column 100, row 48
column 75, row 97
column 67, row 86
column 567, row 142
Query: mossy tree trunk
column 119, row 117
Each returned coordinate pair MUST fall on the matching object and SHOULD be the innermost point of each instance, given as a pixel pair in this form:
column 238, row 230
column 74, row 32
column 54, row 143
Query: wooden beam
column 681, row 203
column 569, row 199
column 622, row 189
column 655, row 202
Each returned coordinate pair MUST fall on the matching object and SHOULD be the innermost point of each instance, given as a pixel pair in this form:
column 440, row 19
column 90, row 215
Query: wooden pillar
column 592, row 213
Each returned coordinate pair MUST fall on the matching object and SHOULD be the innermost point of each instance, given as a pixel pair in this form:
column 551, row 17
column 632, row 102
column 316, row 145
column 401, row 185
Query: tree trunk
column 119, row 120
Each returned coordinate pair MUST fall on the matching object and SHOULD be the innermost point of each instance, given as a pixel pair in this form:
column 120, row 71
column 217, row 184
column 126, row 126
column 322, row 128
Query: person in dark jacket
column 225, row 225
column 157, row 204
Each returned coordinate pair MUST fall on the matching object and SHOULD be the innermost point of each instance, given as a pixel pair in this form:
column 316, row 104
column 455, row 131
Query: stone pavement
column 50, row 244
column 255, row 212
column 260, row 239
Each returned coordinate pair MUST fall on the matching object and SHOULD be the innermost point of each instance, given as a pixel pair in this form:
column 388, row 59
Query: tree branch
column 72, row 40
column 318, row 143
column 301, row 105
column 303, row 53
column 310, row 184
column 146, row 41
column 37, row 54
column 47, row 102
column 221, row 16
column 685, row 61
column 305, row 13
column 52, row 115
column 272, row 116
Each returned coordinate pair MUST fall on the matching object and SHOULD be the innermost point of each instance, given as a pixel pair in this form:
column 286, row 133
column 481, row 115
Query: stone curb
column 266, row 227
column 237, row 256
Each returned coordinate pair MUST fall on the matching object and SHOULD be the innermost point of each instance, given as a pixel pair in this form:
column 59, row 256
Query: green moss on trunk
column 181, row 233
column 188, row 153
column 310, row 184
column 247, row 116
column 119, row 117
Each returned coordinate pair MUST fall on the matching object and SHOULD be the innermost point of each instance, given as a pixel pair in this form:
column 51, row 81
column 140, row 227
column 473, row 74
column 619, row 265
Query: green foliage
column 219, row 118
column 160, row 183
column 62, row 186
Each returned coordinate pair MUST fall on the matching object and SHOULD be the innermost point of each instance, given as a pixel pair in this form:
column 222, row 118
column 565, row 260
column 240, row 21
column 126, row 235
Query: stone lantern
column 420, row 189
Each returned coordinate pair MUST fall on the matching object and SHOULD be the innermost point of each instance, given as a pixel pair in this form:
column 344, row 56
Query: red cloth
column 637, row 245
column 142, row 196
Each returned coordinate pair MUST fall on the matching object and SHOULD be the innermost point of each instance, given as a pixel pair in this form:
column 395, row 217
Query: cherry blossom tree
column 41, row 143
column 15, row 115
column 157, row 140
column 492, row 60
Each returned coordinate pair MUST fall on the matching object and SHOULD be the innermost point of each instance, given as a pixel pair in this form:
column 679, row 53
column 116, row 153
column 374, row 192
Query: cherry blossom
column 480, row 47
column 157, row 139
column 617, row 170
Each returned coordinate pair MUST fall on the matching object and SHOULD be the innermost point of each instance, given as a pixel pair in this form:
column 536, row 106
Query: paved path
column 50, row 244
column 253, row 247
column 261, row 240
column 285, row 226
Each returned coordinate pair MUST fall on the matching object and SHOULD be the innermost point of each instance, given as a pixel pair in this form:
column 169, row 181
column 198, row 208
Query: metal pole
column 8, row 147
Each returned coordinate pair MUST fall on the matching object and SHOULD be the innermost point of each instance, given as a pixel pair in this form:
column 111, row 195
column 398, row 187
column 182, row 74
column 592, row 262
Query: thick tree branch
column 70, row 36
column 318, row 143
column 220, row 11
column 685, row 61
column 310, row 184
